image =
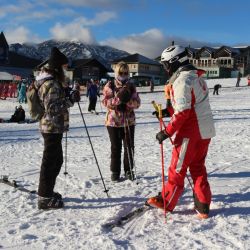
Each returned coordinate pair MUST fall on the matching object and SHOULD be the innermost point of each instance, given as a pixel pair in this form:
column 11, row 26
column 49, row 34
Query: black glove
column 121, row 107
column 74, row 96
column 161, row 136
column 124, row 94
column 165, row 113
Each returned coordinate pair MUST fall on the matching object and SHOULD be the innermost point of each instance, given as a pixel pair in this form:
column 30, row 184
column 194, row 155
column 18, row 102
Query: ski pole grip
column 160, row 111
column 155, row 106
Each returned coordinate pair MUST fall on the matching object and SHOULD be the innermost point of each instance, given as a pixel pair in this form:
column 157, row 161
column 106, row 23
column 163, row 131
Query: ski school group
column 191, row 126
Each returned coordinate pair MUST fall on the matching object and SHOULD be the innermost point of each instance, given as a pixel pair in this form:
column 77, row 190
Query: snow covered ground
column 87, row 208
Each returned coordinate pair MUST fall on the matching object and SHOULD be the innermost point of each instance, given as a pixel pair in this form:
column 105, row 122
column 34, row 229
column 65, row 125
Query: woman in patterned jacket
column 121, row 99
column 56, row 99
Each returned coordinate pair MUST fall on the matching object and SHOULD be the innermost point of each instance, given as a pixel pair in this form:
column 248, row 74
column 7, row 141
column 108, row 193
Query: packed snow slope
column 87, row 208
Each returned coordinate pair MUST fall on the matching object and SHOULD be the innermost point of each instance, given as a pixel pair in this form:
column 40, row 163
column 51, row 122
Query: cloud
column 21, row 35
column 72, row 31
column 99, row 19
column 78, row 28
column 151, row 43
column 148, row 43
column 101, row 4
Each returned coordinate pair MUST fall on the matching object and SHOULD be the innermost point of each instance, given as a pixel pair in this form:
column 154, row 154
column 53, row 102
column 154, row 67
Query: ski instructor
column 56, row 98
column 192, row 124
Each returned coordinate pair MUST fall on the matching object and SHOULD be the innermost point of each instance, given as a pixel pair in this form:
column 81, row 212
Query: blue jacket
column 93, row 91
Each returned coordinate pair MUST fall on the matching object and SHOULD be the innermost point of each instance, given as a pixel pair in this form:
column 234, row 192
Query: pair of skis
column 121, row 221
column 5, row 180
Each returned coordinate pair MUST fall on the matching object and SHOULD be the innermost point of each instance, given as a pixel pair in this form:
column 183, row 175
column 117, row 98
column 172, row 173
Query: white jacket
column 192, row 113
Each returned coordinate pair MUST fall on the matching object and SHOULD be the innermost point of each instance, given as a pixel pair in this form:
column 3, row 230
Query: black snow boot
column 49, row 203
column 129, row 175
column 115, row 177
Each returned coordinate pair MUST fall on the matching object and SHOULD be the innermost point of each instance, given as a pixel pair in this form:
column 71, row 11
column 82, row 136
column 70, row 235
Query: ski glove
column 75, row 96
column 165, row 113
column 161, row 136
column 121, row 107
column 124, row 94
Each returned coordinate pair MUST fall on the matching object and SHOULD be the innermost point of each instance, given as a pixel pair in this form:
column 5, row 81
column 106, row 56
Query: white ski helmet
column 173, row 57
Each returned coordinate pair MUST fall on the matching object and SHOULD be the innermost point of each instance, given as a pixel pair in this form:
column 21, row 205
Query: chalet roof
column 81, row 62
column 3, row 42
column 209, row 49
column 20, row 61
column 233, row 51
column 193, row 50
column 137, row 58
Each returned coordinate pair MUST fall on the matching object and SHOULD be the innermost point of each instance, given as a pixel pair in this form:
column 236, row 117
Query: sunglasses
column 123, row 73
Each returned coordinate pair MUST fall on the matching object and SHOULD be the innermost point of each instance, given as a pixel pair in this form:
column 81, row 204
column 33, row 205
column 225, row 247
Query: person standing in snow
column 120, row 98
column 92, row 93
column 167, row 90
column 193, row 126
column 56, row 99
column 238, row 80
column 22, row 92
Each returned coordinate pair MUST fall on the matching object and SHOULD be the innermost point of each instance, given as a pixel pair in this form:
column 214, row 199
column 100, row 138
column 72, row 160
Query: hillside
column 73, row 50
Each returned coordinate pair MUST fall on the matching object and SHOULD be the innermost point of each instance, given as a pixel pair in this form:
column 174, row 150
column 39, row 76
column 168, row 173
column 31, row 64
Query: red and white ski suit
column 193, row 126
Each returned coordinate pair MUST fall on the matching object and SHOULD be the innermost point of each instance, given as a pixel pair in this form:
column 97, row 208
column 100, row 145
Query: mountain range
column 73, row 50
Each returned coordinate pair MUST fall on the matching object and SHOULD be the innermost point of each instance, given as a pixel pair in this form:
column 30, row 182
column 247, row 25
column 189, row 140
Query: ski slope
column 87, row 207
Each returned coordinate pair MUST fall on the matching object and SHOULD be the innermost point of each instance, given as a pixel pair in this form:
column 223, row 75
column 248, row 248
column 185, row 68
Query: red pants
column 187, row 153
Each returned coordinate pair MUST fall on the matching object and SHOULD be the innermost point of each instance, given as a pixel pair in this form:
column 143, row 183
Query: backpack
column 35, row 106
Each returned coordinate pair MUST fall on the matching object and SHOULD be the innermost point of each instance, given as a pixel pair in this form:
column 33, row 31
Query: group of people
column 191, row 122
column 8, row 90
column 14, row 90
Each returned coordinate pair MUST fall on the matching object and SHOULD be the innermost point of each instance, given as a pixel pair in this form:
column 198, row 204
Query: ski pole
column 132, row 151
column 155, row 106
column 159, row 110
column 128, row 141
column 100, row 103
column 66, row 153
column 105, row 189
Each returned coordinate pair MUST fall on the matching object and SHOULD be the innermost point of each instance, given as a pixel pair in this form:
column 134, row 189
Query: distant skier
column 167, row 90
column 216, row 89
column 238, row 80
column 92, row 93
column 193, row 126
column 22, row 92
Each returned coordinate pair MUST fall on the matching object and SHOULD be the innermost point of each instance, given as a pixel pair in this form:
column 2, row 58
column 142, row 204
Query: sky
column 136, row 26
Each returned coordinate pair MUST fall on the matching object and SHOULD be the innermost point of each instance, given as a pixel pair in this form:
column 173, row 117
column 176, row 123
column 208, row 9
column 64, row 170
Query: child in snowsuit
column 193, row 126
column 121, row 99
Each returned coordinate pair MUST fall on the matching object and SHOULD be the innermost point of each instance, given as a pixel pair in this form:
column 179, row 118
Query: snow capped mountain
column 73, row 50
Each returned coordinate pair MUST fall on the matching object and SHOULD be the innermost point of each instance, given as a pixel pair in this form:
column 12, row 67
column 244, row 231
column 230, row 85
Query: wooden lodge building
column 142, row 69
column 15, row 64
column 223, row 62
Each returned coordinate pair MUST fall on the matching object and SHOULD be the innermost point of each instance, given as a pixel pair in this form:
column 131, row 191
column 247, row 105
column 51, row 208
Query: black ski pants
column 51, row 163
column 118, row 136
column 92, row 103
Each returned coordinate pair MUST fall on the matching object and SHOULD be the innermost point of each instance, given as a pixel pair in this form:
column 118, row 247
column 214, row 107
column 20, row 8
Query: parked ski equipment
column 4, row 179
column 121, row 221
